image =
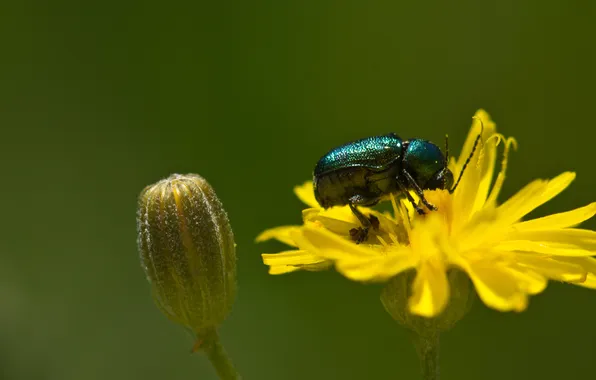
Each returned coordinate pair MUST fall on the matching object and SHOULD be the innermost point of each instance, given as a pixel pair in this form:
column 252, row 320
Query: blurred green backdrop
column 99, row 99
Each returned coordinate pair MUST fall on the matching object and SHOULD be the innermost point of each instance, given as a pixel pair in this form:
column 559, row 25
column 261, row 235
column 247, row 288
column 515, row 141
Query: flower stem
column 215, row 351
column 427, row 346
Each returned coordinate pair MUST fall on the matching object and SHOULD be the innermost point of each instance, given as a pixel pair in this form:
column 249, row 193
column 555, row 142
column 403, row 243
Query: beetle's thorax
column 423, row 160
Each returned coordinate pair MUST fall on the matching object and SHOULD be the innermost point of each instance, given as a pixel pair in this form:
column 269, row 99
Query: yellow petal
column 589, row 283
column 564, row 237
column 494, row 193
column 544, row 247
column 430, row 289
column 485, row 168
column 554, row 269
column 294, row 257
column 473, row 189
column 588, row 264
column 402, row 210
column 290, row 261
column 343, row 213
column 330, row 246
column 377, row 268
column 489, row 130
column 282, row 269
column 336, row 219
column 497, row 286
column 306, row 194
column 336, row 226
column 279, row 233
column 481, row 229
column 528, row 281
column 560, row 220
column 533, row 195
column 511, row 205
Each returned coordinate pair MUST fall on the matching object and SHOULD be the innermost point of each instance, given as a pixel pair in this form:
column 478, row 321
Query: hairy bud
column 187, row 250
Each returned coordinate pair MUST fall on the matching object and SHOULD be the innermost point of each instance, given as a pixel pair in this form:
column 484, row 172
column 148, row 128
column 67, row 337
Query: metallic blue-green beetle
column 362, row 172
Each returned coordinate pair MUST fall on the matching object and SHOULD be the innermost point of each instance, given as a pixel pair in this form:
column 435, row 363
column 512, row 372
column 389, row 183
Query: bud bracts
column 397, row 293
column 187, row 250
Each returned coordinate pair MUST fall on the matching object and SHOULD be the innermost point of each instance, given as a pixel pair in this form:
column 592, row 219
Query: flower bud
column 397, row 291
column 187, row 250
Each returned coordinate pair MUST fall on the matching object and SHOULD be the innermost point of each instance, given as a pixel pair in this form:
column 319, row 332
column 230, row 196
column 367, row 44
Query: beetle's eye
column 443, row 179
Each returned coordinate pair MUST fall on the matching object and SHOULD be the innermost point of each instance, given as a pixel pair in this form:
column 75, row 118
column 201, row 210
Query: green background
column 99, row 99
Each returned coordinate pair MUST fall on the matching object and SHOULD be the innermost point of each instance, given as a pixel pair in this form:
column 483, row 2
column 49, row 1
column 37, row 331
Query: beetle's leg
column 359, row 200
column 361, row 217
column 404, row 190
column 418, row 190
column 360, row 234
column 374, row 222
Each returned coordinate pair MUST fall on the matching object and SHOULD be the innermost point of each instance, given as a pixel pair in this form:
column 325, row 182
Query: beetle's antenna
column 461, row 174
column 446, row 163
column 446, row 150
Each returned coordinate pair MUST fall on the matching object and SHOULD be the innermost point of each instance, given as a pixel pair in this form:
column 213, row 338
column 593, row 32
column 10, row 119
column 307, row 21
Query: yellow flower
column 506, row 258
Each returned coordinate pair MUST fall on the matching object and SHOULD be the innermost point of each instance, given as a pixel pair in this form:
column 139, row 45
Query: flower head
column 506, row 258
column 187, row 250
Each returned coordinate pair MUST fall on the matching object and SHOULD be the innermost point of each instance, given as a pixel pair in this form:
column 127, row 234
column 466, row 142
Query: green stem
column 215, row 351
column 427, row 346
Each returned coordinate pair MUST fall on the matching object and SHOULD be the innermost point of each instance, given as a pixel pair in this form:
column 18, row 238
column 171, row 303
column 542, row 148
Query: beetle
column 362, row 172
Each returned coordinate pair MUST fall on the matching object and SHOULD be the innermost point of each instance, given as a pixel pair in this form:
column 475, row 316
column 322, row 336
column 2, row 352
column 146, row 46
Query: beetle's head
column 443, row 179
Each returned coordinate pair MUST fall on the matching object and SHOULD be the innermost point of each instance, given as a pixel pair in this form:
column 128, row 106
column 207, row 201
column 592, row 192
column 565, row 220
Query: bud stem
column 427, row 346
column 218, row 356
